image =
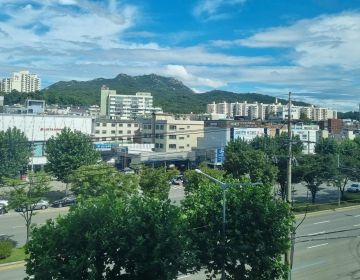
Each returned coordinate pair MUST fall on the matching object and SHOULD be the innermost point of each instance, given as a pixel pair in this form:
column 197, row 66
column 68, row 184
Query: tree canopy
column 242, row 160
column 104, row 238
column 15, row 152
column 69, row 150
column 256, row 233
column 25, row 195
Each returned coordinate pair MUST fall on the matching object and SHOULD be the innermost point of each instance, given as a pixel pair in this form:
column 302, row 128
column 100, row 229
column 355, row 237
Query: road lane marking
column 319, row 245
column 316, row 233
column 307, row 265
column 18, row 226
column 323, row 222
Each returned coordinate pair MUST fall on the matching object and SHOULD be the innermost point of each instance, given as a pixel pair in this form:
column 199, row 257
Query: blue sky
column 309, row 47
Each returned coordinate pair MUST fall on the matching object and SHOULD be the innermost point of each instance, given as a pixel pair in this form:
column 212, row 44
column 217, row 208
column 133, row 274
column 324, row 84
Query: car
column 4, row 202
column 177, row 180
column 65, row 201
column 42, row 204
column 3, row 209
column 353, row 188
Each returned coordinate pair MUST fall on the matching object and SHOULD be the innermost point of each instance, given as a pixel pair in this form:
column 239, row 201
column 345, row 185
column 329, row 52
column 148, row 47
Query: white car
column 4, row 202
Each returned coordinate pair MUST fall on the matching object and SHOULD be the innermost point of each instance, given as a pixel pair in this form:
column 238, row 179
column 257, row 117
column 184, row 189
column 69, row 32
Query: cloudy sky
column 308, row 47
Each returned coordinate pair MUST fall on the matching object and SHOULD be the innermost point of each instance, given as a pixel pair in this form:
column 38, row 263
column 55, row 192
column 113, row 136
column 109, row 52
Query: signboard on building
column 219, row 156
column 248, row 133
column 103, row 146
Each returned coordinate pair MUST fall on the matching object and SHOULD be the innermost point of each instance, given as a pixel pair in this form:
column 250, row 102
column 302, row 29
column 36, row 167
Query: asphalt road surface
column 328, row 246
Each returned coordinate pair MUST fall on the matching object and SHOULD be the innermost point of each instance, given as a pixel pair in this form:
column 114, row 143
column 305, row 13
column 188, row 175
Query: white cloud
column 210, row 9
column 180, row 72
column 322, row 41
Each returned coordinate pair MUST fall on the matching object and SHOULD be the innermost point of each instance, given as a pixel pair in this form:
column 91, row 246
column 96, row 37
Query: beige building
column 21, row 81
column 126, row 131
column 170, row 134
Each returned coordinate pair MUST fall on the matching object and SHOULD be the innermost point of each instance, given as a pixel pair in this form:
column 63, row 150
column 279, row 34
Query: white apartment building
column 126, row 106
column 308, row 134
column 275, row 111
column 170, row 134
column 21, row 81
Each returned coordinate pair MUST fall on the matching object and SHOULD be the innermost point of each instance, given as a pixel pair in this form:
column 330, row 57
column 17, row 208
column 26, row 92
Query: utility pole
column 339, row 191
column 289, row 253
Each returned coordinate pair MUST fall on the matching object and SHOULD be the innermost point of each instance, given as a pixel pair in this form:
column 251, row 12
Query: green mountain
column 169, row 94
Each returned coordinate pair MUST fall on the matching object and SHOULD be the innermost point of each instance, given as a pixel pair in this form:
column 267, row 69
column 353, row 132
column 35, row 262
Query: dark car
column 3, row 209
column 65, row 201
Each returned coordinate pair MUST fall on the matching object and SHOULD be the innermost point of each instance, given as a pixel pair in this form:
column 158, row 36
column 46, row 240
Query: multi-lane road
column 327, row 244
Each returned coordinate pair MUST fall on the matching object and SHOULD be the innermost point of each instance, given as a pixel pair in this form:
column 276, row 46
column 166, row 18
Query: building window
column 97, row 131
column 147, row 126
column 181, row 128
column 113, row 131
column 172, row 136
column 181, row 147
column 120, row 132
column 103, row 124
column 172, row 146
column 172, row 127
column 103, row 132
column 188, row 136
column 159, row 136
column 113, row 124
column 181, row 138
column 129, row 132
column 129, row 125
column 129, row 138
column 136, row 125
column 120, row 125
column 97, row 124
column 159, row 127
column 188, row 145
column 188, row 126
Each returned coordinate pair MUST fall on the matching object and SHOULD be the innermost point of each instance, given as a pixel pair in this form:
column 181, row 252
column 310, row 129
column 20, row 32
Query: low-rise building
column 116, row 130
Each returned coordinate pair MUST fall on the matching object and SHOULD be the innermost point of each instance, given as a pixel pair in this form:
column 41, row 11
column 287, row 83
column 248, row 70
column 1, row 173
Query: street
column 328, row 246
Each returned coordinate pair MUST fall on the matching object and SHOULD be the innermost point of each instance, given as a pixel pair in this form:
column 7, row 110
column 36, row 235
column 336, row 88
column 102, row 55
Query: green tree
column 15, row 152
column 193, row 179
column 104, row 238
column 315, row 170
column 276, row 149
column 257, row 232
column 345, row 161
column 25, row 195
column 99, row 179
column 68, row 151
column 155, row 181
column 242, row 160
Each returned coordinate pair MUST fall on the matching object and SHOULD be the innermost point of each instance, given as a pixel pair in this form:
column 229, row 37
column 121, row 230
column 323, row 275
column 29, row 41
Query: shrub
column 6, row 247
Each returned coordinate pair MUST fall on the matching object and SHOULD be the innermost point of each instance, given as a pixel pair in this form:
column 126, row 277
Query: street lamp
column 224, row 186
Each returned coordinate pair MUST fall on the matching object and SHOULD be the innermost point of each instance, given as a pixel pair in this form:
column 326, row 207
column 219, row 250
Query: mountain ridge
column 169, row 93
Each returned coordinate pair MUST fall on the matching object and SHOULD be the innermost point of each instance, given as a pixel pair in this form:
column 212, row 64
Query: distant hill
column 170, row 94
column 349, row 115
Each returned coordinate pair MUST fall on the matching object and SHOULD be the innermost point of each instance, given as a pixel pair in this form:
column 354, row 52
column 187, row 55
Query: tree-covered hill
column 170, row 94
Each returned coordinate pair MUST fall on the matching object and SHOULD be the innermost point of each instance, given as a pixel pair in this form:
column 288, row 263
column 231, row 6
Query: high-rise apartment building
column 21, row 81
column 126, row 106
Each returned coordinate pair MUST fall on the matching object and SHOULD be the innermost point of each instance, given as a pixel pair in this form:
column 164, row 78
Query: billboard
column 248, row 133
